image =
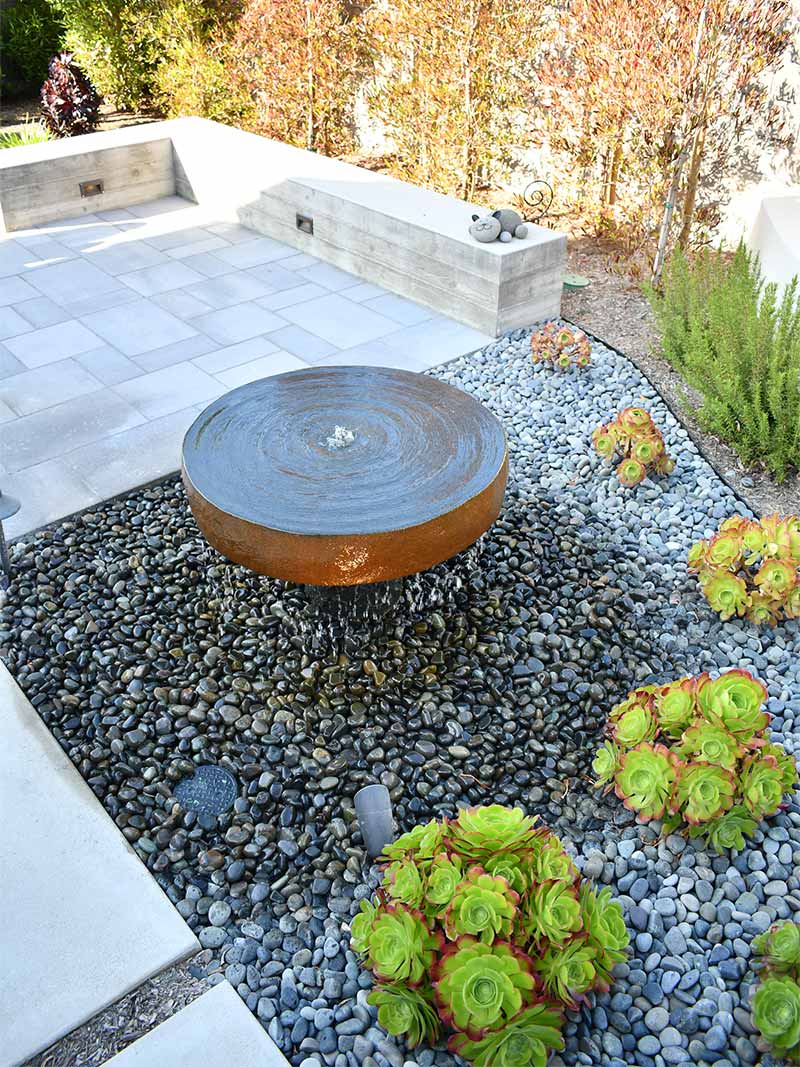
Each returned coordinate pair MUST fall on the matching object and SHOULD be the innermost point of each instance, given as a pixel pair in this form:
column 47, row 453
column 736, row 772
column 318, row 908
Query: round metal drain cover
column 210, row 791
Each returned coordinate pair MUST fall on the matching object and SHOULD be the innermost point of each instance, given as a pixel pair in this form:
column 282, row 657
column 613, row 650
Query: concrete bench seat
column 410, row 240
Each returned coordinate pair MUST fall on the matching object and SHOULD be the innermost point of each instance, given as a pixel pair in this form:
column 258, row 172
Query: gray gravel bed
column 147, row 655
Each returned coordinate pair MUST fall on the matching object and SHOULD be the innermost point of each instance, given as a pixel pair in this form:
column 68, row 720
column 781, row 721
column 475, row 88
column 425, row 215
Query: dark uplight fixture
column 9, row 505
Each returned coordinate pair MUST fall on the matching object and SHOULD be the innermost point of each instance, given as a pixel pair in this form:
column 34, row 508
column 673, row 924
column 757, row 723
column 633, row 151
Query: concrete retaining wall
column 410, row 240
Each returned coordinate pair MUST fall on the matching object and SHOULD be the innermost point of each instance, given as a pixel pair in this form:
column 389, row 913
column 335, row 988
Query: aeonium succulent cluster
column 561, row 346
column 696, row 752
column 776, row 1003
column 751, row 568
column 633, row 439
column 482, row 929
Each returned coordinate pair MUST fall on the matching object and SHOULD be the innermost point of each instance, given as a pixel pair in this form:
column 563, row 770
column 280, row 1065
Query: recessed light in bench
column 305, row 223
column 93, row 188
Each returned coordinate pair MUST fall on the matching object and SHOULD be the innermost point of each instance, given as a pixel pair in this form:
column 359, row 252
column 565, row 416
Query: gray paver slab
column 137, row 327
column 41, row 310
column 275, row 363
column 46, row 386
column 215, row 1030
column 169, row 390
column 73, row 280
column 90, row 922
column 134, row 457
column 48, row 491
column 238, row 323
column 339, row 321
column 49, row 344
column 57, row 430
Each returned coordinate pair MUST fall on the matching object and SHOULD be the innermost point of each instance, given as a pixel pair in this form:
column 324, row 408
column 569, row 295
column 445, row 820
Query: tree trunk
column 690, row 196
column 613, row 178
column 666, row 219
column 310, row 86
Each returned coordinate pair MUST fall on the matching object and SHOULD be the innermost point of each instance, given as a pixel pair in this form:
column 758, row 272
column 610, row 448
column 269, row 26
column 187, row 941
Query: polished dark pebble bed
column 147, row 655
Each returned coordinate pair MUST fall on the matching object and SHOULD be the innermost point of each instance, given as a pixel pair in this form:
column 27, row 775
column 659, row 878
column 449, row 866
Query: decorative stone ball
column 485, row 229
column 505, row 236
column 521, row 230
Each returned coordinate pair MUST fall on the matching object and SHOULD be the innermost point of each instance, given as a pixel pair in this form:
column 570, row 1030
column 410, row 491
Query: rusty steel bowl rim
column 391, row 550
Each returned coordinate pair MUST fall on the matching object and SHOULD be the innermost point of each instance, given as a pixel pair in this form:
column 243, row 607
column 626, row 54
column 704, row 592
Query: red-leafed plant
column 70, row 103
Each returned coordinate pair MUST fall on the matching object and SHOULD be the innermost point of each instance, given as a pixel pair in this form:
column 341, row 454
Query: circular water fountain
column 341, row 476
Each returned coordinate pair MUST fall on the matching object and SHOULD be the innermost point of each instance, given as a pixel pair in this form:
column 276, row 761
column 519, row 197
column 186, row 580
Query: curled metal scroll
column 538, row 196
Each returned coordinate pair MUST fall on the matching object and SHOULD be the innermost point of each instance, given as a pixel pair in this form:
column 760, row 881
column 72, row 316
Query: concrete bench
column 410, row 240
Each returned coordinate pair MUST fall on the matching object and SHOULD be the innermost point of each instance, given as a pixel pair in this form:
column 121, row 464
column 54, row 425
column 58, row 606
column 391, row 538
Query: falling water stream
column 324, row 616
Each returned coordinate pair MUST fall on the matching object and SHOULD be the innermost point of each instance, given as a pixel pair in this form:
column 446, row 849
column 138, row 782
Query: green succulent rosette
column 647, row 449
column 361, row 927
column 403, row 881
column 483, row 906
column 568, row 971
column 635, row 725
column 791, row 607
column 526, row 1041
column 645, row 780
column 676, row 706
column 786, row 762
column 776, row 1013
column 635, row 421
column 553, row 913
column 604, row 440
column 604, row 926
column 726, row 593
column 630, row 472
column 776, row 578
column 407, row 1012
column 481, row 987
column 553, row 863
column 761, row 785
column 423, row 842
column 514, row 868
column 724, row 550
column 399, row 945
column 606, row 763
column 710, row 744
column 780, row 948
column 762, row 610
column 734, row 701
column 728, row 831
column 702, row 792
column 445, row 873
column 479, row 833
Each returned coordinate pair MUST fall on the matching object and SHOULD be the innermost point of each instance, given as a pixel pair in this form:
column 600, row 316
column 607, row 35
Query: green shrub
column 115, row 42
column 696, row 752
column 776, row 1004
column 30, row 132
column 30, row 33
column 751, row 567
column 483, row 929
column 738, row 345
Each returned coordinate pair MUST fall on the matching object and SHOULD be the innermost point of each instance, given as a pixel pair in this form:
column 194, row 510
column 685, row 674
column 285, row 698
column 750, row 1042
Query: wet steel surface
column 344, row 475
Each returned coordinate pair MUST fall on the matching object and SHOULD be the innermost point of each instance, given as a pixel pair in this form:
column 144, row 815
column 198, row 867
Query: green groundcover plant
column 737, row 342
column 751, row 567
column 696, row 752
column 636, row 443
column 561, row 347
column 483, row 930
column 776, row 1002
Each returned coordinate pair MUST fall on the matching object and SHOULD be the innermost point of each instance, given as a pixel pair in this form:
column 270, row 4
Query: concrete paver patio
column 85, row 922
column 116, row 329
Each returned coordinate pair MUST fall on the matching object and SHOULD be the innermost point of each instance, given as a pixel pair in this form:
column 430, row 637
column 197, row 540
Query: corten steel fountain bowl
column 340, row 476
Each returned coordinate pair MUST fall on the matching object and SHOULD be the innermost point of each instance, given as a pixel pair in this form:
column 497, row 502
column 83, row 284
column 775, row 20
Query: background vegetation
column 642, row 111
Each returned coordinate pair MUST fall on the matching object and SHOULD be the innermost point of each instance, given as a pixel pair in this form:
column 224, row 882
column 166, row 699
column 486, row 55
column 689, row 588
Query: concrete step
column 216, row 1030
column 84, row 922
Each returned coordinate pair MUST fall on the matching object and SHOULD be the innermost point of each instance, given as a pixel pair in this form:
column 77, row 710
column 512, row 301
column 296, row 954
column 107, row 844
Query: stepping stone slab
column 84, row 921
column 216, row 1030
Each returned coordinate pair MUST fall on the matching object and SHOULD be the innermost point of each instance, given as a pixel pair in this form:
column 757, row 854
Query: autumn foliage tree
column 452, row 85
column 656, row 97
column 301, row 63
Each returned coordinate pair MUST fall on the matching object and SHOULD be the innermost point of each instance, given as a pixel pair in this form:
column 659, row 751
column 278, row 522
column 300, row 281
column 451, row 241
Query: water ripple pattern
column 343, row 450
